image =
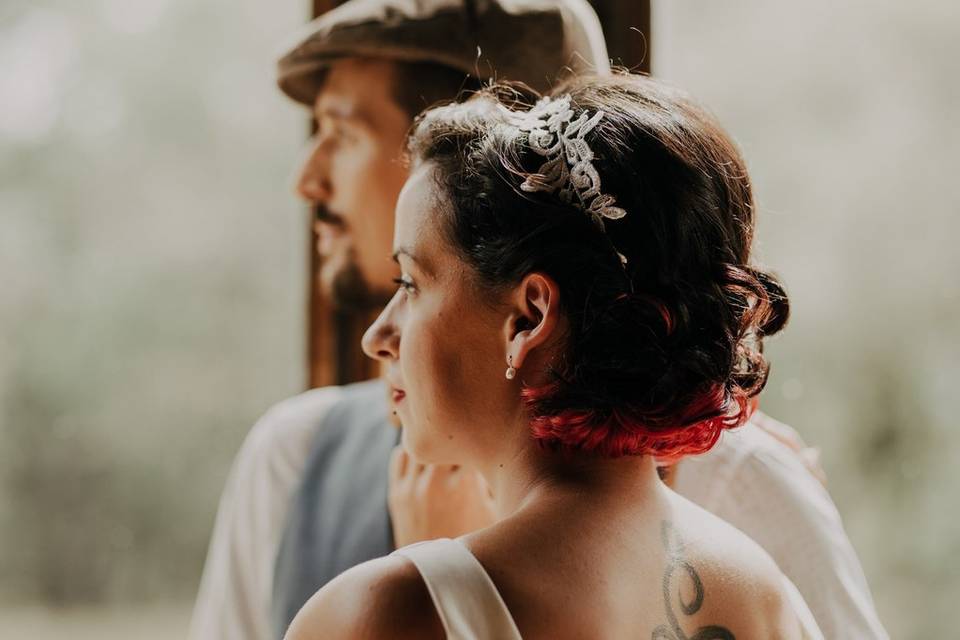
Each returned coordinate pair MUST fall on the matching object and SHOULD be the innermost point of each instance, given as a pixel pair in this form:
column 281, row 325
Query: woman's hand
column 435, row 501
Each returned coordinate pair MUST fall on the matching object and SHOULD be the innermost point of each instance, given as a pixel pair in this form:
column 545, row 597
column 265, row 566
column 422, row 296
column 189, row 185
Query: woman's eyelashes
column 405, row 284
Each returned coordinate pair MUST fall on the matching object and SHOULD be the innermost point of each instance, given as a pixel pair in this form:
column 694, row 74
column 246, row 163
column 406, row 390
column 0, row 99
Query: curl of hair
column 662, row 355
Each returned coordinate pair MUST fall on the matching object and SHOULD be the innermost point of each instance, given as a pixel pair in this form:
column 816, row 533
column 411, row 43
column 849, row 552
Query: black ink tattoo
column 675, row 562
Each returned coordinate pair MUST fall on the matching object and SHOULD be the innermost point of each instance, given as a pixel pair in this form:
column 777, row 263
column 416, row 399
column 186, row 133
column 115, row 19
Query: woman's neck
column 526, row 473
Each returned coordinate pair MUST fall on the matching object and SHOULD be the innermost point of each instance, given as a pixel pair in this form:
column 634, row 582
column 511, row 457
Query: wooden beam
column 328, row 361
column 626, row 28
column 322, row 6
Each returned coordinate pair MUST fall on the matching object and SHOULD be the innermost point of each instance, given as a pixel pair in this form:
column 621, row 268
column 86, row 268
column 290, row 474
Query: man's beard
column 347, row 287
column 350, row 292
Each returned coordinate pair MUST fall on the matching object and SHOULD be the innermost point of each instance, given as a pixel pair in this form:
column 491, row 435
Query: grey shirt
column 338, row 517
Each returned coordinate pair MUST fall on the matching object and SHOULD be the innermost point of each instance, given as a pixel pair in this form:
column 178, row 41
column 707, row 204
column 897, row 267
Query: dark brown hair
column 662, row 352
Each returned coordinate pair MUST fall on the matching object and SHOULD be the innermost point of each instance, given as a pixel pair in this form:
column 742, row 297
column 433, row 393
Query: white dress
column 467, row 601
column 470, row 607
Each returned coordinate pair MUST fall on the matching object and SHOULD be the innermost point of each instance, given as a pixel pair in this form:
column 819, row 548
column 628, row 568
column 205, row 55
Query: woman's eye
column 404, row 284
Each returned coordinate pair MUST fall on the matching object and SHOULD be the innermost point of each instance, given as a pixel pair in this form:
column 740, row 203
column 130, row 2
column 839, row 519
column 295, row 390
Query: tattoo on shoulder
column 680, row 577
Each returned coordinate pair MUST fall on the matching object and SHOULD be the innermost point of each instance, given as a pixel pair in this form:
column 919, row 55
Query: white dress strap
column 467, row 601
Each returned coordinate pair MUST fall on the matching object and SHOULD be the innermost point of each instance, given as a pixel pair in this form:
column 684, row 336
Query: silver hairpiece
column 554, row 132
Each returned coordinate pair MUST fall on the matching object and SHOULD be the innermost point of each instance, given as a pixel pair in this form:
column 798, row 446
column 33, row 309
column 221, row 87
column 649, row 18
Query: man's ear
column 534, row 316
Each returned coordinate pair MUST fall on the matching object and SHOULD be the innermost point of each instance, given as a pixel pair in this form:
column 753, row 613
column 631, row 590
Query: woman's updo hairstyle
column 664, row 350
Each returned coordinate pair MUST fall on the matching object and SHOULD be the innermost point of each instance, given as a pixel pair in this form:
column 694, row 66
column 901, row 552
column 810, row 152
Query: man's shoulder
column 753, row 438
column 763, row 487
column 282, row 438
column 297, row 418
column 747, row 459
column 292, row 418
column 303, row 406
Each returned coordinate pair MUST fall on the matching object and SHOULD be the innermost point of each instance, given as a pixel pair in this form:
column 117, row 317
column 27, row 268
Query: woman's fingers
column 404, row 467
column 425, row 479
column 399, row 461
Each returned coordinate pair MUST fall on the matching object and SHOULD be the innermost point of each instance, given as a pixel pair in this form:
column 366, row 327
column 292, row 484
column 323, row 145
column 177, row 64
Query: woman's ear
column 533, row 318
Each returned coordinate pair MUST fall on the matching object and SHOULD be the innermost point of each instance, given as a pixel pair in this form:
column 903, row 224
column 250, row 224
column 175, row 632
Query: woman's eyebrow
column 404, row 251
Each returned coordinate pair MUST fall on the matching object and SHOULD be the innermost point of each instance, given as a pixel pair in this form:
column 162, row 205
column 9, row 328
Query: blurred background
column 153, row 270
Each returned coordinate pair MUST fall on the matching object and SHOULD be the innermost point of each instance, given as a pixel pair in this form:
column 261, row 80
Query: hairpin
column 556, row 133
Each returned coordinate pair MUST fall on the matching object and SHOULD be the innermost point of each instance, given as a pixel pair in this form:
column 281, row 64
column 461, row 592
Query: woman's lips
column 397, row 395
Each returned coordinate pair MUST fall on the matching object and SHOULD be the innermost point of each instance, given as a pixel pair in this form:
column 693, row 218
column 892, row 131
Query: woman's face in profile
column 441, row 339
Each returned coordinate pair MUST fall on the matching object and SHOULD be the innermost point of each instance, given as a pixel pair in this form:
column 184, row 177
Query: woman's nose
column 381, row 341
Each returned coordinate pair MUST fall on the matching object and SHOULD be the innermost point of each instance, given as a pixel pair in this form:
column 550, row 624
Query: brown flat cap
column 533, row 41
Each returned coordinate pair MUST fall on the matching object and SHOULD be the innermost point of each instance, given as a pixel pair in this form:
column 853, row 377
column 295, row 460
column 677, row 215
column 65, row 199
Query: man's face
column 353, row 174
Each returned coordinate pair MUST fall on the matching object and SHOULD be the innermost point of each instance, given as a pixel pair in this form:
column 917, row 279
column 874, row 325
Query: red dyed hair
column 620, row 433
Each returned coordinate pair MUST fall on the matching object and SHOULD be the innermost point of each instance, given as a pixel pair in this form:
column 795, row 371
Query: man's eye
column 332, row 132
column 346, row 134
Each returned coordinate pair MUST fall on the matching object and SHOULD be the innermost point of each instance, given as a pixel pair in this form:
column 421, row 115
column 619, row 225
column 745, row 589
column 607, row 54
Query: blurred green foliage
column 152, row 270
column 847, row 115
column 153, row 263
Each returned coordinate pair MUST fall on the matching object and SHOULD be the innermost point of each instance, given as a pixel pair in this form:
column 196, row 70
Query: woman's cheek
column 429, row 363
column 415, row 359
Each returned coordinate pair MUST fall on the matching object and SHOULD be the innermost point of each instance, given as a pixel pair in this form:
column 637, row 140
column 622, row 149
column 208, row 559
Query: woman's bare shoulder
column 725, row 579
column 382, row 598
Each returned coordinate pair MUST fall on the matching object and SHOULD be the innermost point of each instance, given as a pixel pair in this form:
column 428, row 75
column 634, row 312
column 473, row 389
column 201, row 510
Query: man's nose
column 313, row 185
column 381, row 341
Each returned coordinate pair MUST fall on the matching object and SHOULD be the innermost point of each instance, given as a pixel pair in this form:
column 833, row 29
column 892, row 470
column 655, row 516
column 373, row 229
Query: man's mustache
column 324, row 214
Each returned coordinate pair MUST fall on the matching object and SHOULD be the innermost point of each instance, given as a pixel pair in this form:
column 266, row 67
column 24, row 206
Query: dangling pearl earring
column 511, row 372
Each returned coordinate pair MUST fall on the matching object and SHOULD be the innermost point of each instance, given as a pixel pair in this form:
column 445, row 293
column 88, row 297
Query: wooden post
column 626, row 28
column 333, row 337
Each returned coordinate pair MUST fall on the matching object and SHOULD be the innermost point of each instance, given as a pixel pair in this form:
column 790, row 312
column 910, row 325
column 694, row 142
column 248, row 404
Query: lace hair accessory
column 555, row 132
